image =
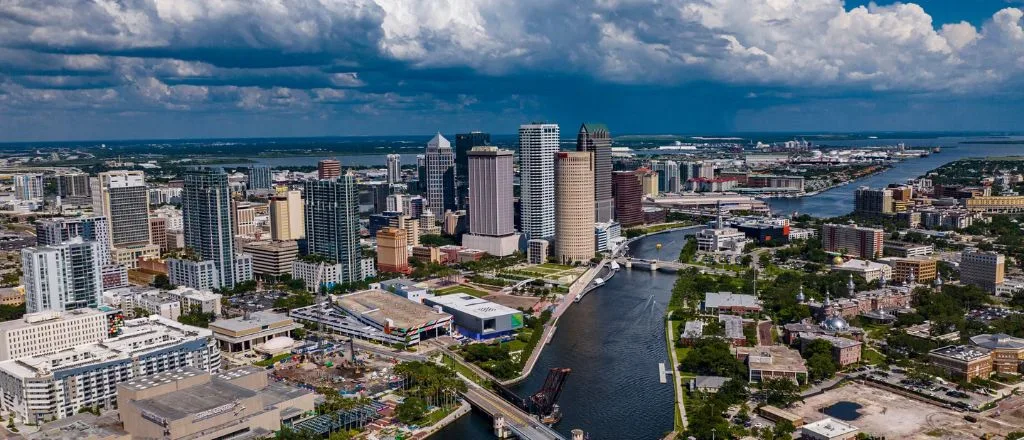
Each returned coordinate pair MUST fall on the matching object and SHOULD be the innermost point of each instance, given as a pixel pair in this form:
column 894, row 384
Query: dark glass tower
column 463, row 143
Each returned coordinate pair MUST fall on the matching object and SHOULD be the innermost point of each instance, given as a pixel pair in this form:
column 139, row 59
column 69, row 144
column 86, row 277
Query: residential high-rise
column 392, row 251
column 696, row 170
column 669, row 179
column 394, row 168
column 463, row 143
column 332, row 223
column 440, row 175
column 852, row 240
column 55, row 231
column 206, row 220
column 421, row 173
column 648, row 181
column 158, row 227
column 491, row 227
column 121, row 197
column 28, row 186
column 328, row 169
column 868, row 202
column 574, row 200
column 73, row 188
column 62, row 277
column 538, row 144
column 628, row 198
column 982, row 269
column 260, row 177
column 287, row 216
column 596, row 139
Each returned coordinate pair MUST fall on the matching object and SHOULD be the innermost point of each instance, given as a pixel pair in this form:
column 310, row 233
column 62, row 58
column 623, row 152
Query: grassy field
column 436, row 415
column 465, row 371
column 273, row 360
column 462, row 289
column 555, row 267
column 871, row 356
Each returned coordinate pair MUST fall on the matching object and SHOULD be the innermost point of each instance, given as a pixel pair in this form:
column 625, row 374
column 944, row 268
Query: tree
column 196, row 318
column 411, row 410
column 819, row 360
column 780, row 392
column 162, row 282
column 435, row 240
column 711, row 357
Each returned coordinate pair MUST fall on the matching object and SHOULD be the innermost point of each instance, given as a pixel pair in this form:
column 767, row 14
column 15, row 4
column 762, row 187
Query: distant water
column 839, row 201
column 613, row 341
column 362, row 160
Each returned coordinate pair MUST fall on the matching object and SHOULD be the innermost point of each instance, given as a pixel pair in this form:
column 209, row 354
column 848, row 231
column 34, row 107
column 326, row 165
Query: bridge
column 666, row 266
column 509, row 420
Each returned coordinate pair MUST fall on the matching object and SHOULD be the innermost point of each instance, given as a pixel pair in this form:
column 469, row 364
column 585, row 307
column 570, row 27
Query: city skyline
column 191, row 71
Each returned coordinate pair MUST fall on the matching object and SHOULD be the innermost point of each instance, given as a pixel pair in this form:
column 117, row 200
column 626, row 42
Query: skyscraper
column 421, row 173
column 669, row 179
column 332, row 223
column 394, row 168
column 287, row 216
column 464, row 142
column 121, row 197
column 260, row 177
column 574, row 199
column 983, row 269
column 490, row 203
column 628, row 194
column 206, row 220
column 328, row 169
column 538, row 144
column 392, row 251
column 440, row 161
column 596, row 139
column 28, row 186
column 55, row 231
column 62, row 277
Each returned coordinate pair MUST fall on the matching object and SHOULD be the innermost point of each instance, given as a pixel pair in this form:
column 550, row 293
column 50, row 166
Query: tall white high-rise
column 538, row 144
column 121, row 197
column 394, row 168
column 440, row 175
column 62, row 277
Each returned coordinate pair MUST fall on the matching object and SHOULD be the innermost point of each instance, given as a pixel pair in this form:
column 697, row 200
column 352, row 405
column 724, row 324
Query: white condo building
column 394, row 168
column 59, row 384
column 36, row 333
column 62, row 277
column 538, row 144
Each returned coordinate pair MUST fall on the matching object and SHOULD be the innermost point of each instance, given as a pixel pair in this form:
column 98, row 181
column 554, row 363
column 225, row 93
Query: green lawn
column 554, row 266
column 871, row 356
column 462, row 289
column 436, row 415
column 465, row 371
column 273, row 360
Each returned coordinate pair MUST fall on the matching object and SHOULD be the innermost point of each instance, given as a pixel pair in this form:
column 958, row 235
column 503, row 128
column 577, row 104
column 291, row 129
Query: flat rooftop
column 43, row 318
column 257, row 320
column 964, row 353
column 834, row 340
column 380, row 306
column 729, row 299
column 185, row 402
column 773, row 358
column 829, row 428
column 81, row 426
column 998, row 341
column 146, row 382
column 472, row 305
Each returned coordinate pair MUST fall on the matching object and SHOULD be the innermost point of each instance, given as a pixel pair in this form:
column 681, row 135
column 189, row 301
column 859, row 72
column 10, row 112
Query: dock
column 663, row 373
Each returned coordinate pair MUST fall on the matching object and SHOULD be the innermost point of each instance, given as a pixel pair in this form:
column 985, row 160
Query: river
column 613, row 341
column 839, row 201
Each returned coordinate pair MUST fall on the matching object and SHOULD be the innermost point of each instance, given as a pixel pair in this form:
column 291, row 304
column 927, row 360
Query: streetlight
column 713, row 431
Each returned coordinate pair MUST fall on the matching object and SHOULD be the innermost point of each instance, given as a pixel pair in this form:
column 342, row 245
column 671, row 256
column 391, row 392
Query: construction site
column 340, row 366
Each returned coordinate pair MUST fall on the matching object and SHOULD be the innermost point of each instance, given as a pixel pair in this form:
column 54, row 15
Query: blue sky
column 100, row 69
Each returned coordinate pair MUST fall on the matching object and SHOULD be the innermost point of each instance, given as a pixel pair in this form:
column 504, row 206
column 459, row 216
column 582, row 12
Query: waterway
column 613, row 341
column 839, row 201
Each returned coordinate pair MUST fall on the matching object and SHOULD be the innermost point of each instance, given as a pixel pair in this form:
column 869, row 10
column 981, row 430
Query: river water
column 839, row 201
column 613, row 341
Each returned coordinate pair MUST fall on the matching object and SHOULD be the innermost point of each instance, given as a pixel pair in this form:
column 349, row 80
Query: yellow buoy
column 658, row 246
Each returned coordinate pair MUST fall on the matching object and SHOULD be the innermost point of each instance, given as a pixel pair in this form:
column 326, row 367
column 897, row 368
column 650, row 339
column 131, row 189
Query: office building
column 982, row 269
column 853, row 240
column 121, row 197
column 394, row 169
column 128, row 256
column 62, row 277
column 869, row 270
column 260, row 177
column 440, row 162
column 1007, row 351
column 159, row 304
column 55, row 231
column 328, row 169
column 477, row 318
column 964, row 362
column 491, row 226
column 606, row 235
column 202, row 274
column 537, row 251
column 696, row 170
column 669, row 179
column 272, row 258
column 410, row 225
column 648, row 181
column 907, row 250
column 245, row 333
column 869, row 202
column 628, row 195
column 421, row 174
column 72, row 188
column 207, row 222
column 243, row 218
column 596, row 139
column 28, row 186
column 287, row 216
column 538, row 144
column 392, row 251
column 332, row 224
column 574, row 224
column 317, row 274
column 49, row 332
column 87, row 376
column 158, row 229
column 918, row 270
column 464, row 142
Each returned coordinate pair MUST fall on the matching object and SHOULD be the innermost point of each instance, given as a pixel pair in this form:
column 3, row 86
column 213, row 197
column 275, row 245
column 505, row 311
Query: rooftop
column 256, row 320
column 472, row 305
column 964, row 353
column 198, row 398
column 693, row 329
column 733, row 326
column 834, row 340
column 773, row 358
column 81, row 426
column 42, row 318
column 380, row 306
column 830, row 428
column 146, row 382
column 998, row 341
column 860, row 265
column 728, row 299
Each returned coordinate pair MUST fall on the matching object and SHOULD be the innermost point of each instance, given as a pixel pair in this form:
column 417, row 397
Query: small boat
column 937, row 150
column 579, row 296
column 615, row 265
column 658, row 246
column 554, row 417
column 598, row 281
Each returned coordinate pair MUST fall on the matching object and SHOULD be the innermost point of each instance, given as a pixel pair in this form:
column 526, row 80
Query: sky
column 146, row 69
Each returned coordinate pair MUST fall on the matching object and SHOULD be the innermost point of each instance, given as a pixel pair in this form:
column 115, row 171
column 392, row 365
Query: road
column 677, row 377
column 764, row 333
column 524, row 425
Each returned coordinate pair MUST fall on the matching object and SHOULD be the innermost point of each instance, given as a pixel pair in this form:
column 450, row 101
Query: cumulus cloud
column 451, row 55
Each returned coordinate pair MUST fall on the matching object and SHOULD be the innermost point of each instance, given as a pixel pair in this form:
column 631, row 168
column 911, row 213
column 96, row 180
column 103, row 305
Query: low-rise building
column 427, row 254
column 190, row 403
column 917, row 269
column 693, row 331
column 405, row 288
column 317, row 273
column 844, row 351
column 160, row 304
column 772, row 362
column 707, row 384
column 869, row 270
column 828, row 429
column 246, row 332
column 537, row 251
column 1007, row 351
column 272, row 258
column 731, row 303
column 379, row 316
column 193, row 300
column 128, row 256
column 904, row 249
column 963, row 361
column 478, row 318
column 57, row 385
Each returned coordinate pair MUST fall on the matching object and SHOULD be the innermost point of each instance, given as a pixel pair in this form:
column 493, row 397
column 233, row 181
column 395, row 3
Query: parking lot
column 936, row 388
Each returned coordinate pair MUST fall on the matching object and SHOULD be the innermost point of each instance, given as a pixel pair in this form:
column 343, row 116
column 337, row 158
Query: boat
column 554, row 417
column 615, row 265
column 658, row 246
column 598, row 281
column 937, row 150
column 579, row 296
